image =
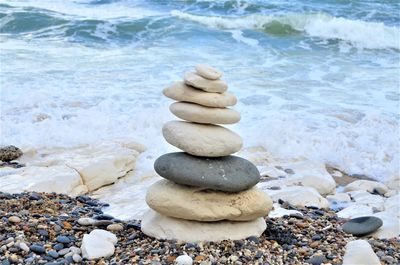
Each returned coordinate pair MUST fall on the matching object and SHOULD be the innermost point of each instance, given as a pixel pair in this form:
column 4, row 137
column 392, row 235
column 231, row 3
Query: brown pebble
column 14, row 219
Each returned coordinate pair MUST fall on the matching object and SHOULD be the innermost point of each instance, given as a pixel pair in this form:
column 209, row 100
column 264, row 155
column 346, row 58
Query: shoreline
column 312, row 238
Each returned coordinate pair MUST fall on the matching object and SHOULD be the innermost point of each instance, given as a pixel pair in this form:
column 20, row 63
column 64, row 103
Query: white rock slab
column 59, row 178
column 390, row 227
column 163, row 227
column 366, row 198
column 355, row 210
column 309, row 174
column 360, row 252
column 297, row 196
column 97, row 244
column 279, row 212
column 367, row 185
column 392, row 205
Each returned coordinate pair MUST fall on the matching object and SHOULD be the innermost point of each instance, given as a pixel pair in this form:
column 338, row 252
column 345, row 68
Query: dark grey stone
column 39, row 249
column 361, row 226
column 228, row 173
column 63, row 239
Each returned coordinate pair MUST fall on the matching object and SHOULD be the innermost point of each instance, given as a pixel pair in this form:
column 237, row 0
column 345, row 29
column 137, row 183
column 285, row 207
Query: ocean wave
column 370, row 35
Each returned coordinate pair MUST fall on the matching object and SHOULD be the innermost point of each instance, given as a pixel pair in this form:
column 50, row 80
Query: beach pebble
column 184, row 260
column 181, row 92
column 37, row 248
column 98, row 243
column 115, row 227
column 207, row 85
column 208, row 72
column 361, row 226
column 86, row 221
column 191, row 203
column 201, row 114
column 14, row 219
column 164, row 227
column 201, row 139
column 77, row 258
column 359, row 252
column 229, row 173
column 24, row 247
column 63, row 239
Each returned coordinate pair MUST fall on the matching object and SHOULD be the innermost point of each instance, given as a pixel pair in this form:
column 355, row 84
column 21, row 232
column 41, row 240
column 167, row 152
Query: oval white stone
column 208, row 72
column 201, row 114
column 181, row 92
column 202, row 139
column 164, row 227
column 193, row 203
column 193, row 79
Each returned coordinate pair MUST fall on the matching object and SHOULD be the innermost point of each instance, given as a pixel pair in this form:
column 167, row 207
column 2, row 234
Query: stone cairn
column 206, row 194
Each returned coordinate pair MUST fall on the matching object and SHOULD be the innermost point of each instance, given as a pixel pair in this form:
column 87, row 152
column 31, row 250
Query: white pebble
column 77, row 258
column 86, row 221
column 75, row 250
column 24, row 247
column 64, row 251
column 184, row 260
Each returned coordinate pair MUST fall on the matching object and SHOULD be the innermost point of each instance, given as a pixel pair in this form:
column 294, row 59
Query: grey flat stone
column 361, row 226
column 229, row 173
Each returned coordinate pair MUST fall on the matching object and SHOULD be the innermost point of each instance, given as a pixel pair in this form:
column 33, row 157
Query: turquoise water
column 314, row 79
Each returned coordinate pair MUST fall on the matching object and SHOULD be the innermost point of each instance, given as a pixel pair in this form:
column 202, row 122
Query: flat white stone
column 392, row 205
column 308, row 174
column 339, row 197
column 197, row 81
column 97, row 244
column 192, row 203
column 201, row 114
column 390, row 227
column 202, row 139
column 297, row 196
column 360, row 252
column 367, row 185
column 279, row 212
column 164, row 227
column 366, row 198
column 355, row 210
column 181, row 92
column 208, row 72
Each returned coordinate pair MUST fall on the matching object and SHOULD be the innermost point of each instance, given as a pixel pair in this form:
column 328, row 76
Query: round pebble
column 184, row 260
column 77, row 258
column 63, row 239
column 24, row 247
column 37, row 248
column 14, row 219
column 115, row 227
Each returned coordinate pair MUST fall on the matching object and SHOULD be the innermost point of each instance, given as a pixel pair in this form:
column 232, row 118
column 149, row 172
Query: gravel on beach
column 39, row 228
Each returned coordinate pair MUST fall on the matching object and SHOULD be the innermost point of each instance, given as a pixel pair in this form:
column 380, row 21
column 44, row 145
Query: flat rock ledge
column 40, row 228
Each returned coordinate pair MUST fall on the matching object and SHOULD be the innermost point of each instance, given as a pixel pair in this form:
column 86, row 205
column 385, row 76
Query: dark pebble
column 58, row 246
column 35, row 197
column 316, row 260
column 63, row 239
column 43, row 232
column 37, row 248
column 362, row 225
column 103, row 217
column 53, row 254
column 316, row 237
column 254, row 239
column 289, row 171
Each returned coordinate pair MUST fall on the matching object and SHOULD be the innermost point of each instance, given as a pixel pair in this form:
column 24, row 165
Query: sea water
column 315, row 79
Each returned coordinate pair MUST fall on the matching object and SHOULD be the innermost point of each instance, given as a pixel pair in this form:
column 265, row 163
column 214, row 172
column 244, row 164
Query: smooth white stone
column 199, row 82
column 367, row 185
column 181, row 92
column 297, row 196
column 360, row 252
column 184, row 260
column 392, row 205
column 164, row 227
column 279, row 212
column 390, row 227
column 208, row 72
column 202, row 139
column 97, row 244
column 355, row 210
column 201, row 114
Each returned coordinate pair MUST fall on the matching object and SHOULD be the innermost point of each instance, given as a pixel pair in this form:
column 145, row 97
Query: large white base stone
column 359, row 252
column 164, row 227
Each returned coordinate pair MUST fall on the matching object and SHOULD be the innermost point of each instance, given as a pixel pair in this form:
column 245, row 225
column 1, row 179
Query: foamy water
column 315, row 82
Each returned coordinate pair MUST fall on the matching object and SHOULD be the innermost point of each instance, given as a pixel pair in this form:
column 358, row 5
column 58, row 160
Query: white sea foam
column 362, row 34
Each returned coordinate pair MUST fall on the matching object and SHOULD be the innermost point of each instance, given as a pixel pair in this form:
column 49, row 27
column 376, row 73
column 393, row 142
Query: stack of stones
column 206, row 194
